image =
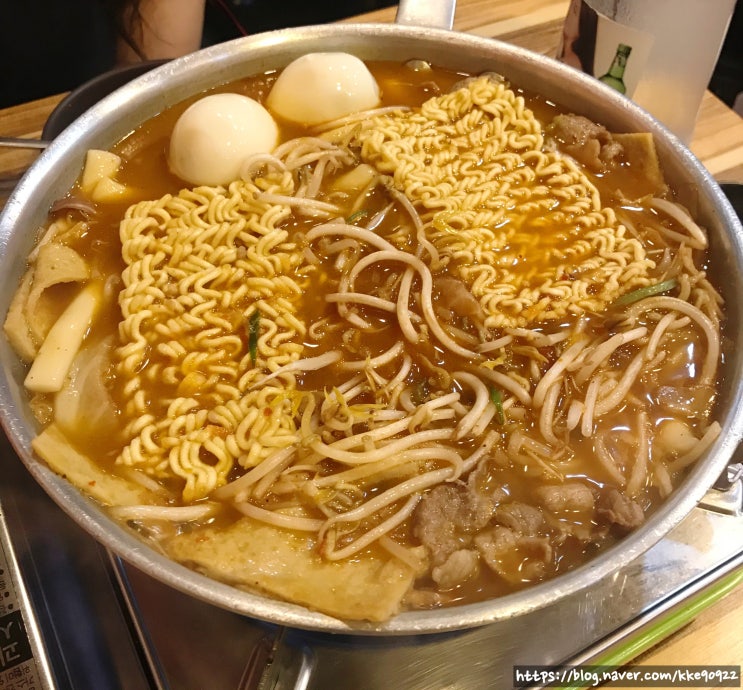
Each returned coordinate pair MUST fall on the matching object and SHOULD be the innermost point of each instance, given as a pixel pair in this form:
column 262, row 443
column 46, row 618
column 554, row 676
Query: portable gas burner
column 74, row 616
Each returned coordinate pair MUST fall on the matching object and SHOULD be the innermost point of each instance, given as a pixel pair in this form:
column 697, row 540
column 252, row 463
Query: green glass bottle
column 615, row 76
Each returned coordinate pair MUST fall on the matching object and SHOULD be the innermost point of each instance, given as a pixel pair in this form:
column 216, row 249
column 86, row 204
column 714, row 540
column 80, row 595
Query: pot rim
column 117, row 114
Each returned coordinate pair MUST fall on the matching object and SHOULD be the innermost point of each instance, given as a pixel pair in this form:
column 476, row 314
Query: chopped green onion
column 497, row 399
column 642, row 293
column 355, row 216
column 420, row 392
column 253, row 333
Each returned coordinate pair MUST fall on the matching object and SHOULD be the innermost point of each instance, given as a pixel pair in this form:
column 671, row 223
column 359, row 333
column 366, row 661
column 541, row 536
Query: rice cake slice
column 286, row 564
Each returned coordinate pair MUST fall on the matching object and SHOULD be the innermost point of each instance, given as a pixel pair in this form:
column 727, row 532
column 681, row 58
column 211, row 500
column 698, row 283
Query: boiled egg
column 320, row 87
column 214, row 136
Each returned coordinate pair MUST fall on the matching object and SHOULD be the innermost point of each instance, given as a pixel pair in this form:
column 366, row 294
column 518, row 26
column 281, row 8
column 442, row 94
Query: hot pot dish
column 371, row 337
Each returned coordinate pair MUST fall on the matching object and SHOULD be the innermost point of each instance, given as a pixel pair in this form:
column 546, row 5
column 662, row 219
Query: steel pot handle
column 278, row 664
column 438, row 14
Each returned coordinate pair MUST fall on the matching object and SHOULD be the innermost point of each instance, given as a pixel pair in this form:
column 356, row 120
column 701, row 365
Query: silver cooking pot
column 413, row 36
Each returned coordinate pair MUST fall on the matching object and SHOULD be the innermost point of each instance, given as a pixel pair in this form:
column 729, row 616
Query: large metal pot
column 412, row 36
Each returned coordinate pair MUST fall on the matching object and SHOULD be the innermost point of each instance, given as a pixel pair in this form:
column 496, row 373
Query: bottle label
column 608, row 50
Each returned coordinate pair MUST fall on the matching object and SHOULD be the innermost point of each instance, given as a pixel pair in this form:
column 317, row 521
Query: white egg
column 320, row 87
column 214, row 136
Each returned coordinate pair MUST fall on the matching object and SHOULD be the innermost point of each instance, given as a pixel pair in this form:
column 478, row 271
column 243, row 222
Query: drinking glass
column 660, row 53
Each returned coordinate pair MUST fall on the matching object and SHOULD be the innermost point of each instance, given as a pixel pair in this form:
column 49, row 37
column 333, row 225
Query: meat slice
column 520, row 517
column 462, row 565
column 423, row 599
column 457, row 299
column 515, row 557
column 448, row 516
column 616, row 509
column 567, row 497
column 589, row 143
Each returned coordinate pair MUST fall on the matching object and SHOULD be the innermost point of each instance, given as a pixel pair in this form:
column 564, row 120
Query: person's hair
column 127, row 22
